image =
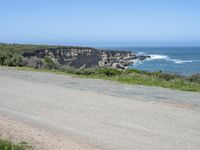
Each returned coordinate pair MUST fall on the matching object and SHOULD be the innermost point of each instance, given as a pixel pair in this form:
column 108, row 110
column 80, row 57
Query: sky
column 101, row 23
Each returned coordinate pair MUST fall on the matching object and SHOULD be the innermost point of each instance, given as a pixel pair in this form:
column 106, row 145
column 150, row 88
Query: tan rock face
column 80, row 57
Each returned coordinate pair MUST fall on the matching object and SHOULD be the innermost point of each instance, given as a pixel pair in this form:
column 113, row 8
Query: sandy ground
column 37, row 138
column 58, row 112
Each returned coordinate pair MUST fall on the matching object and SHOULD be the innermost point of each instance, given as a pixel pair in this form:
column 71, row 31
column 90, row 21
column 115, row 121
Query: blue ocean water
column 179, row 60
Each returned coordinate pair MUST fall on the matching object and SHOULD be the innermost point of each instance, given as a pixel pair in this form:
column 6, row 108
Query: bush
column 10, row 58
column 15, row 60
column 109, row 72
column 75, row 71
column 7, row 145
column 86, row 72
column 49, row 63
column 2, row 59
column 195, row 78
column 165, row 76
column 133, row 71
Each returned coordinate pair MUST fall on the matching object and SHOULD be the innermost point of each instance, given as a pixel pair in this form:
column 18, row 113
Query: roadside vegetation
column 10, row 55
column 10, row 58
column 131, row 76
column 8, row 145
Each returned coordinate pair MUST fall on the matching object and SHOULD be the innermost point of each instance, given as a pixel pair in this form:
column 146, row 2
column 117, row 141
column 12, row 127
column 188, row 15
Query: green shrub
column 195, row 78
column 49, row 63
column 2, row 59
column 109, row 72
column 86, row 72
column 133, row 71
column 10, row 58
column 166, row 76
column 15, row 60
column 7, row 145
column 76, row 71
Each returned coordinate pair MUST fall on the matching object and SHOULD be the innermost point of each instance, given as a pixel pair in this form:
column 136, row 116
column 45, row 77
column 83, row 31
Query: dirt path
column 61, row 112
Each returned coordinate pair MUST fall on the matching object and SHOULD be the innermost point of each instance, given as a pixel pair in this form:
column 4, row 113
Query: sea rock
column 143, row 57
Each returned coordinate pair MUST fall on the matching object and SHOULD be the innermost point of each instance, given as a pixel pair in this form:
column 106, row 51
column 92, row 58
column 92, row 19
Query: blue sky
column 101, row 22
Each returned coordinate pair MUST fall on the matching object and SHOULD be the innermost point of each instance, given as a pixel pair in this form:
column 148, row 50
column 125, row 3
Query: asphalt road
column 107, row 115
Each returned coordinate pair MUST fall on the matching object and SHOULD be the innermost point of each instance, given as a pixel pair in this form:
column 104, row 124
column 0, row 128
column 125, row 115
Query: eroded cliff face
column 80, row 57
column 116, row 59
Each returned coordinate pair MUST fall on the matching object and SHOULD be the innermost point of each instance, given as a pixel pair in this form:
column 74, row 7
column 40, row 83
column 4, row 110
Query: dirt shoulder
column 37, row 138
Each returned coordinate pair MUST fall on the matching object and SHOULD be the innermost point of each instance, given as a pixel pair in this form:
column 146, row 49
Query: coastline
column 98, row 64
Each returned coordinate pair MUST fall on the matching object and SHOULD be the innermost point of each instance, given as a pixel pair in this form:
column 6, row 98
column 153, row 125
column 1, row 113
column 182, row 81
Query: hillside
column 67, row 56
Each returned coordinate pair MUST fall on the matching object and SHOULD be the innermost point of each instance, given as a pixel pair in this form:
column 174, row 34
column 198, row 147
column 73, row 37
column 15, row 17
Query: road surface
column 70, row 113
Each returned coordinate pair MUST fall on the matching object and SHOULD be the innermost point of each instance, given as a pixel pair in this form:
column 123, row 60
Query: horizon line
column 91, row 45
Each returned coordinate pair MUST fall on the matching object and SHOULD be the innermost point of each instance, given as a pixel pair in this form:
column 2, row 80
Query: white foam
column 165, row 58
column 137, row 62
column 178, row 61
column 159, row 57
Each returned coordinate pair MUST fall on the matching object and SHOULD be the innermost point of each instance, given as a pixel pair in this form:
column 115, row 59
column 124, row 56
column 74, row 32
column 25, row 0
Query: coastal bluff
column 79, row 57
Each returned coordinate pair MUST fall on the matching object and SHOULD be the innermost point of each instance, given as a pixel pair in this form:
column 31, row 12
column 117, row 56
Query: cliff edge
column 79, row 57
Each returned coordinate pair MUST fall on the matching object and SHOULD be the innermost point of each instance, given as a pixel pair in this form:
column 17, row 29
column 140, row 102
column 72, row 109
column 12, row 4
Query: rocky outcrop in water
column 80, row 57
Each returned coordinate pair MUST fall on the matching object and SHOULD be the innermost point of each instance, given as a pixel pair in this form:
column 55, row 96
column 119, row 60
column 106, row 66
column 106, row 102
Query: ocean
column 179, row 60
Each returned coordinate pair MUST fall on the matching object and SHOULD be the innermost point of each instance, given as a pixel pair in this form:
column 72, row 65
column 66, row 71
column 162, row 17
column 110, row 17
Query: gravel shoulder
column 63, row 112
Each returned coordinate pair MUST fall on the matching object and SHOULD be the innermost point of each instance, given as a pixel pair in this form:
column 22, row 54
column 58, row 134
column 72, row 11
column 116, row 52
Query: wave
column 178, row 61
column 137, row 62
column 155, row 57
column 159, row 57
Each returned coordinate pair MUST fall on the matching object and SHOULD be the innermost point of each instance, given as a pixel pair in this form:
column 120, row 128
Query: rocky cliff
column 79, row 57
